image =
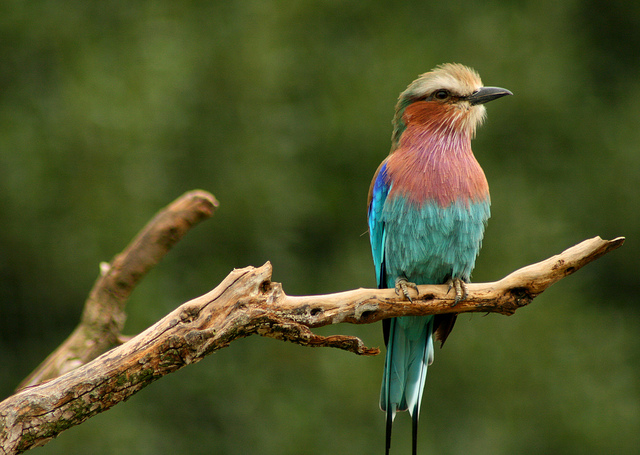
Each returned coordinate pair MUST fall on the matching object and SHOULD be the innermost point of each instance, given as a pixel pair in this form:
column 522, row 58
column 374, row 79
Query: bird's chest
column 439, row 174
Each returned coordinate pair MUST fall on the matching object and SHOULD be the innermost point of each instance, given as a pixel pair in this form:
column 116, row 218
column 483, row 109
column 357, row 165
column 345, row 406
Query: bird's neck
column 434, row 162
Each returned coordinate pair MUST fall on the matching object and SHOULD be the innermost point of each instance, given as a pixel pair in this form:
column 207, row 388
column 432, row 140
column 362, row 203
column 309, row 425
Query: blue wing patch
column 380, row 190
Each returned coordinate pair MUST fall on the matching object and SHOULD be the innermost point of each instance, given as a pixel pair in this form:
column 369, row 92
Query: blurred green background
column 109, row 110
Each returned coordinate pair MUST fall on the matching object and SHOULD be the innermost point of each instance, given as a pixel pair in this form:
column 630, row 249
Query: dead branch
column 247, row 302
column 518, row 289
column 103, row 317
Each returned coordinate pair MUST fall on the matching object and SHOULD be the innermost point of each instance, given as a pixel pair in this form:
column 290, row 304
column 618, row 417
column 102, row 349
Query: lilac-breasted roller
column 428, row 207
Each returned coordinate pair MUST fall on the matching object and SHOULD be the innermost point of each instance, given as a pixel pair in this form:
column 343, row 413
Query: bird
column 428, row 206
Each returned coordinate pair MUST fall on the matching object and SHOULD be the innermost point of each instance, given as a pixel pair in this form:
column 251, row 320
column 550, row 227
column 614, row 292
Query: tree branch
column 246, row 302
column 103, row 317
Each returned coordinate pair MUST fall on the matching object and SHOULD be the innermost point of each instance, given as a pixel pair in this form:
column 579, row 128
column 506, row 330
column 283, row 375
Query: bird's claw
column 403, row 285
column 460, row 288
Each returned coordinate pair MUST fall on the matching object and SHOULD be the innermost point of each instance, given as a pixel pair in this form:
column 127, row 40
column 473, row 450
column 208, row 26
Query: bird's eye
column 441, row 94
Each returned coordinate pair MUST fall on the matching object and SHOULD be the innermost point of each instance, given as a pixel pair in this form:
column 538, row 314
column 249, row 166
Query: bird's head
column 449, row 99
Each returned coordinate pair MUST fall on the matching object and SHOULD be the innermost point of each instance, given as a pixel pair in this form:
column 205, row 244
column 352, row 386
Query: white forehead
column 458, row 79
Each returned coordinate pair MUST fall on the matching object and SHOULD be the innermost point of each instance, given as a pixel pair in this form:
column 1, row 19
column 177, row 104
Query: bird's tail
column 409, row 353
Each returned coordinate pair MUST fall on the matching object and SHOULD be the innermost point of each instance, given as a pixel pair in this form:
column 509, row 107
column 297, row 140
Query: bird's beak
column 486, row 94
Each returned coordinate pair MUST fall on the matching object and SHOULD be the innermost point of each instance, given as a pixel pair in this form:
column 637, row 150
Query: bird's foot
column 460, row 288
column 403, row 285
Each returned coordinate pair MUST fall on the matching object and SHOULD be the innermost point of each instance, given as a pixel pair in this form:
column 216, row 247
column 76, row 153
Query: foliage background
column 109, row 110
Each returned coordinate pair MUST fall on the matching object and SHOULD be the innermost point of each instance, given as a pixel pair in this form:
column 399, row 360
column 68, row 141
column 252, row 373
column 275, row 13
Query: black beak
column 486, row 94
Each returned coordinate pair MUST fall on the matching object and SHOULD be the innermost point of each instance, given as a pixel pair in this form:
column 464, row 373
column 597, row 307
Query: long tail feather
column 390, row 416
column 414, row 433
column 409, row 352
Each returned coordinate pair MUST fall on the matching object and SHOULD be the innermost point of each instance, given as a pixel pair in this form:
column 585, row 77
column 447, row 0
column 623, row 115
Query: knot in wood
column 364, row 310
column 189, row 314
